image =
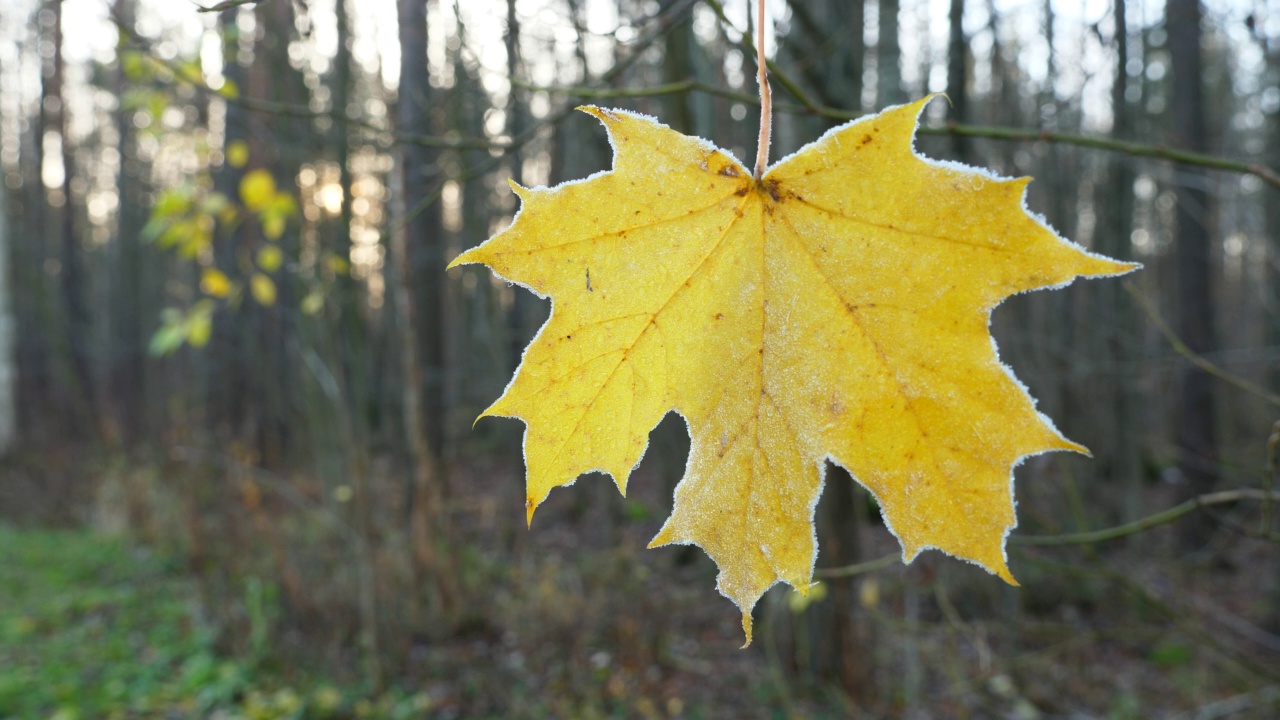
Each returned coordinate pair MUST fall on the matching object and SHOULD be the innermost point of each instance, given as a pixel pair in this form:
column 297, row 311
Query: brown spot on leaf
column 771, row 187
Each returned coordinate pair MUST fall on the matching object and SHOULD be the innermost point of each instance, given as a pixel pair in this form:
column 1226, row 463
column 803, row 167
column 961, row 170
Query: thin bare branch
column 806, row 106
column 225, row 5
column 1156, row 152
column 1163, row 517
column 1196, row 359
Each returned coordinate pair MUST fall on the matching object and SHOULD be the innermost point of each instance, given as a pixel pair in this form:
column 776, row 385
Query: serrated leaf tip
column 521, row 191
column 469, row 257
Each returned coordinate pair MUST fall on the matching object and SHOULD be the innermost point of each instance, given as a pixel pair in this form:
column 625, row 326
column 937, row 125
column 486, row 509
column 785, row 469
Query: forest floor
column 575, row 620
column 92, row 628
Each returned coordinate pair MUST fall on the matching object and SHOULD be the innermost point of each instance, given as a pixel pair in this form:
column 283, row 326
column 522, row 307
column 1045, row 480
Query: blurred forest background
column 227, row 335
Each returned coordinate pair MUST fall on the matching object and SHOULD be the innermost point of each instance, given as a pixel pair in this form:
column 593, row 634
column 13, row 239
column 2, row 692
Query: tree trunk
column 74, row 283
column 228, row 387
column 1271, row 276
column 677, row 65
column 849, row 17
column 1272, row 271
column 1121, row 393
column 8, row 365
column 889, row 56
column 352, row 337
column 418, row 256
column 1197, row 445
column 528, row 313
column 37, row 362
column 839, row 631
column 836, row 632
column 958, row 78
column 127, row 363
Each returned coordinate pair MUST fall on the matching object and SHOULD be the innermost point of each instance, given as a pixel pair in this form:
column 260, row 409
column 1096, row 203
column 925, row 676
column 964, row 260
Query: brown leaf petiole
column 766, row 97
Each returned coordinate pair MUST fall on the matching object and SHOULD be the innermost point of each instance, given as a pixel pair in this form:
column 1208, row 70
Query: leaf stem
column 766, row 97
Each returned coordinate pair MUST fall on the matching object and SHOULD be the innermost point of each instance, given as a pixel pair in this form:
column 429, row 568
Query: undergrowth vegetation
column 93, row 628
column 188, row 612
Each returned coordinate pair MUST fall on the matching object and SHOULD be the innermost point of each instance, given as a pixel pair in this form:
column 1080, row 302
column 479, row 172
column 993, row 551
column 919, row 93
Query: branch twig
column 1161, row 518
column 225, row 5
column 1195, row 358
column 1005, row 134
column 807, row 106
column 1085, row 538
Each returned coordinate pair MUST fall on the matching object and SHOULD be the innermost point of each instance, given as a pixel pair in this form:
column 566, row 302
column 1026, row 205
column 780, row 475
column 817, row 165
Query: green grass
column 90, row 628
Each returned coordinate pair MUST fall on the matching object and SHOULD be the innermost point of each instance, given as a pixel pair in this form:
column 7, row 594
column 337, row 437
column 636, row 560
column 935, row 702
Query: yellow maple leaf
column 835, row 308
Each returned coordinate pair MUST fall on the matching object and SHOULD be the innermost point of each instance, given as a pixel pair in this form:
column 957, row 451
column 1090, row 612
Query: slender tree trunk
column 958, row 78
column 1271, row 297
column 37, row 361
column 1196, row 439
column 269, row 79
column 342, row 85
column 838, row 626
column 833, row 630
column 1114, row 241
column 849, row 16
column 419, row 263
column 352, row 335
column 1271, row 272
column 527, row 311
column 832, row 50
column 128, row 354
column 74, row 282
column 677, row 65
column 889, row 56
column 229, row 384
column 1003, row 108
column 8, row 361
